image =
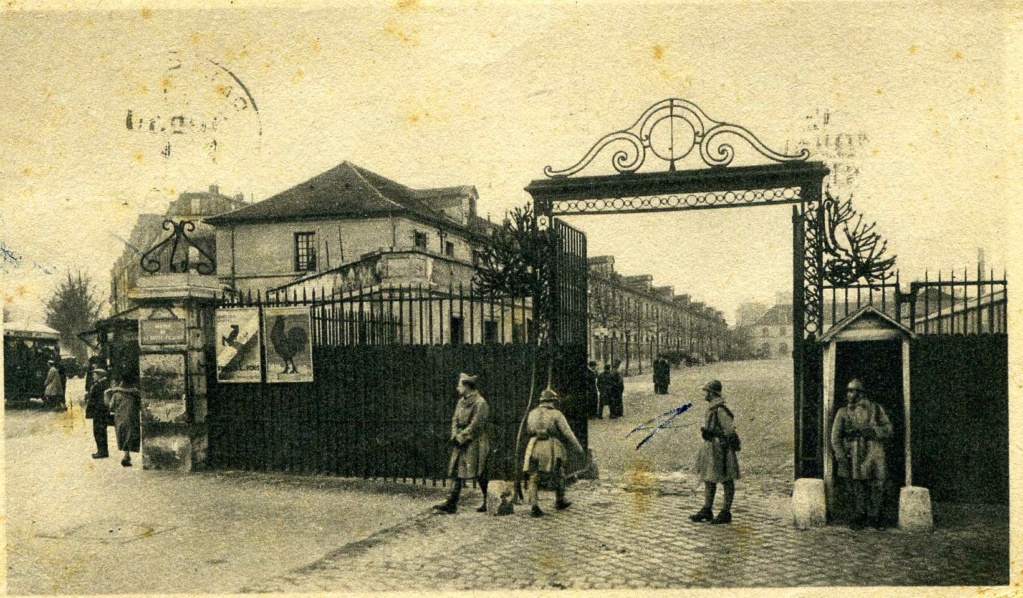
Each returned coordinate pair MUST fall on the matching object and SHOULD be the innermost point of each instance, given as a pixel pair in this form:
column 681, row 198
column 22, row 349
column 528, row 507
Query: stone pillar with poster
column 175, row 330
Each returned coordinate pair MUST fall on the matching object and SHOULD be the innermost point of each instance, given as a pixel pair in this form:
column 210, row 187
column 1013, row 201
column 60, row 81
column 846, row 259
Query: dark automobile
column 72, row 367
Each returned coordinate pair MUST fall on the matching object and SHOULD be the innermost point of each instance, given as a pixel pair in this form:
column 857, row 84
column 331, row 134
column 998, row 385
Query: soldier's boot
column 536, row 512
column 704, row 514
column 450, row 506
column 483, row 486
column 723, row 517
column 447, row 506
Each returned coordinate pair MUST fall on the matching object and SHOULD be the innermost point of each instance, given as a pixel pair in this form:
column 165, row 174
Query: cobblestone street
column 638, row 536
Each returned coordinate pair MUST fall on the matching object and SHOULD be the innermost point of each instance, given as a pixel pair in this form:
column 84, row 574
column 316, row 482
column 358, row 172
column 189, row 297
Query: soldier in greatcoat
column 470, row 443
column 548, row 432
column 716, row 462
column 857, row 439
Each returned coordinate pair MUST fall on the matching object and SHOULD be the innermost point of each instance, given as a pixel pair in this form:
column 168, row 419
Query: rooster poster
column 238, row 345
column 289, row 355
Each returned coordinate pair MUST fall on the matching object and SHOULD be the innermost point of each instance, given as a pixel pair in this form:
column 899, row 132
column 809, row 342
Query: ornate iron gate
column 670, row 131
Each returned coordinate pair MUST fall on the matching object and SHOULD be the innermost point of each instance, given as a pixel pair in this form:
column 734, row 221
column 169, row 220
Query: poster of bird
column 238, row 358
column 289, row 352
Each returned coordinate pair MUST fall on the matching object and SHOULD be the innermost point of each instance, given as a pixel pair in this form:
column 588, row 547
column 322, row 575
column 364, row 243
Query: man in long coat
column 716, row 462
column 470, row 443
column 592, row 394
column 548, row 432
column 604, row 382
column 857, row 439
column 662, row 375
column 96, row 410
column 53, row 392
column 617, row 391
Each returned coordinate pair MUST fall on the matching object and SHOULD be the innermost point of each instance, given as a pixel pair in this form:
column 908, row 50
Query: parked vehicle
column 72, row 367
column 27, row 349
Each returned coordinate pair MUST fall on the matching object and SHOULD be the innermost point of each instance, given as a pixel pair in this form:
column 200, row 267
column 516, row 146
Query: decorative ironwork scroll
column 178, row 260
column 670, row 130
column 678, row 201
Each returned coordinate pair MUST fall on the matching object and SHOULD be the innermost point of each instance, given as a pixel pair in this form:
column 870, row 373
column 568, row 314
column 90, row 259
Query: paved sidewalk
column 616, row 536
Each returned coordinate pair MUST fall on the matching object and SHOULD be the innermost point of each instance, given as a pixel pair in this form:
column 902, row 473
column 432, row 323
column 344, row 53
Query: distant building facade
column 633, row 320
column 771, row 334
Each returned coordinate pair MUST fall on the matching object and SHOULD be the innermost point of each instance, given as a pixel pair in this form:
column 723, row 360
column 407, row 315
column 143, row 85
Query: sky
column 488, row 94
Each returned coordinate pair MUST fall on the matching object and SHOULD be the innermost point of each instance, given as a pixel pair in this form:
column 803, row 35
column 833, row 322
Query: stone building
column 350, row 228
column 771, row 334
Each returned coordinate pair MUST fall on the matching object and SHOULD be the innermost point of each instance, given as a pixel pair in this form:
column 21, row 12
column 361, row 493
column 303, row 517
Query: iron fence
column 946, row 305
column 385, row 365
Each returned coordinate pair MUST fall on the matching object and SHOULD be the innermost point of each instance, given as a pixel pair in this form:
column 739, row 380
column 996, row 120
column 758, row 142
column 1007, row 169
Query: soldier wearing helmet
column 857, row 439
column 545, row 454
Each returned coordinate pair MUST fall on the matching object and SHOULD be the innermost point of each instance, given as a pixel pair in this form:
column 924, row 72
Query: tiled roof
column 779, row 315
column 346, row 191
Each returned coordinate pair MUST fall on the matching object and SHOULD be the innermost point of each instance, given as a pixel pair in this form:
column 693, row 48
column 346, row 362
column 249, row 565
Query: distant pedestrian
column 617, row 391
column 716, row 462
column 125, row 404
column 857, row 439
column 592, row 393
column 545, row 454
column 96, row 410
column 662, row 375
column 604, row 384
column 470, row 443
column 53, row 392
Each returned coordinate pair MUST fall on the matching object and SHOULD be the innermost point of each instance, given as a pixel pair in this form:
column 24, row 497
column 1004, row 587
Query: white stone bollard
column 915, row 509
column 808, row 506
column 499, row 497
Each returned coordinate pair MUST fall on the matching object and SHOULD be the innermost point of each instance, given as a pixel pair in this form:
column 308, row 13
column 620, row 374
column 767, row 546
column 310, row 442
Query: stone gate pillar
column 175, row 329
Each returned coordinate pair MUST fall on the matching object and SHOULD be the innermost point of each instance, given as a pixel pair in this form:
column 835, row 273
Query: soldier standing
column 716, row 462
column 470, row 443
column 545, row 453
column 857, row 436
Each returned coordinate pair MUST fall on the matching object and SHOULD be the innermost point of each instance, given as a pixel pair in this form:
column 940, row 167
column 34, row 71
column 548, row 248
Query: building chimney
column 215, row 189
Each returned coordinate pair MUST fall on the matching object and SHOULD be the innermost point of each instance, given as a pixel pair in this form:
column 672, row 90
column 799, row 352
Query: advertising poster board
column 289, row 352
column 238, row 357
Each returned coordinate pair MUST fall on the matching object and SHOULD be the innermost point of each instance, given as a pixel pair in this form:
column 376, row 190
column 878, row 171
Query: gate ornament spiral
column 670, row 130
column 180, row 246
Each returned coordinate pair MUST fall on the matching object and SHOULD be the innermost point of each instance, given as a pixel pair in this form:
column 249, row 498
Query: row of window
column 305, row 249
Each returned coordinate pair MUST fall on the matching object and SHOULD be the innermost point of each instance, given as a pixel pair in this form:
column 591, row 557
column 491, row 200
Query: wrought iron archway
column 671, row 131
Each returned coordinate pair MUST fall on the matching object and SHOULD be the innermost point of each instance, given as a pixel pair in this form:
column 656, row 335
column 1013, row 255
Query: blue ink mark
column 9, row 256
column 661, row 422
column 45, row 269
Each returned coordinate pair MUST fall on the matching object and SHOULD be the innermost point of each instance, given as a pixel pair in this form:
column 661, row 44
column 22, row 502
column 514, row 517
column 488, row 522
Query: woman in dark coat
column 125, row 404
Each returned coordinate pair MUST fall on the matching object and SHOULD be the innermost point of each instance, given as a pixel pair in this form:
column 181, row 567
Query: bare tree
column 517, row 261
column 853, row 251
column 72, row 309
